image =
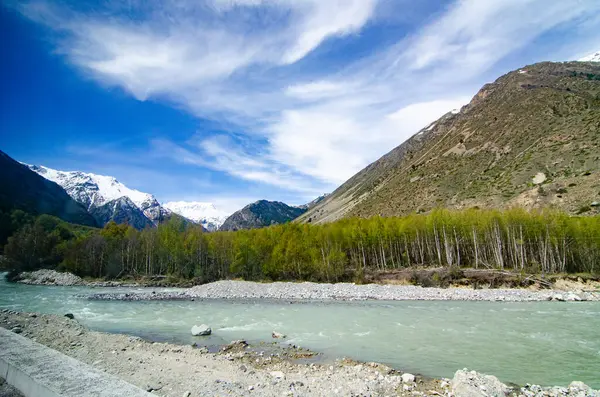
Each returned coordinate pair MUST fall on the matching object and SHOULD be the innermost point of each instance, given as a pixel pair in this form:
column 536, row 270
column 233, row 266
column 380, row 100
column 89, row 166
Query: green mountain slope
column 530, row 139
column 21, row 188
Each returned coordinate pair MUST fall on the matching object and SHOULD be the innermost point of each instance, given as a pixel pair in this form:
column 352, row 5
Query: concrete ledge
column 38, row 371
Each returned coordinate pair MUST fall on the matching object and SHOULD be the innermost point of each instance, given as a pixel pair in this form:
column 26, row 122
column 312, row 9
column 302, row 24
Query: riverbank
column 241, row 370
column 306, row 291
column 53, row 277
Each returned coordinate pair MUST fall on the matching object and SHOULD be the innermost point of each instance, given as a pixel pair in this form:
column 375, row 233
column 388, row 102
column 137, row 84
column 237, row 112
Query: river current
column 547, row 343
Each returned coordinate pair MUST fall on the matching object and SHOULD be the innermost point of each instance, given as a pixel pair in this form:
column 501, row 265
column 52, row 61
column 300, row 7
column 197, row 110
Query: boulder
column 407, row 378
column 579, row 386
column 17, row 330
column 573, row 297
column 472, row 384
column 70, row 316
column 201, row 330
column 558, row 297
column 278, row 335
column 278, row 375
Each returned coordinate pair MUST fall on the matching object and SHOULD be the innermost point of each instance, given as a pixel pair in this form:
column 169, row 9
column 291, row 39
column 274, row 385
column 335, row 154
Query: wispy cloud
column 254, row 65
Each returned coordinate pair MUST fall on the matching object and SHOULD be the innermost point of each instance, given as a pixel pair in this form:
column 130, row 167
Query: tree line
column 517, row 240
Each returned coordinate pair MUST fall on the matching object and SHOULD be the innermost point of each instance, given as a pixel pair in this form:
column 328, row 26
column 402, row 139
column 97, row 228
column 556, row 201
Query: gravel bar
column 348, row 292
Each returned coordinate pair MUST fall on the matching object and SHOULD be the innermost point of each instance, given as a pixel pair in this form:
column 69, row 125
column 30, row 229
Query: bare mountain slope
column 531, row 138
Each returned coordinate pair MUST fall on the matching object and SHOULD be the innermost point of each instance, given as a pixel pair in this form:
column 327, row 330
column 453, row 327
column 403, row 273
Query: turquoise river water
column 547, row 343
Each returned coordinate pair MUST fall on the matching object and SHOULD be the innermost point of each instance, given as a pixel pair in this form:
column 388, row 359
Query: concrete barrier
column 39, row 371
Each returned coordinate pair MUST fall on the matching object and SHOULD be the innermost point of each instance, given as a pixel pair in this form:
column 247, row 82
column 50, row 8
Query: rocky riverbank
column 52, row 277
column 348, row 292
column 49, row 277
column 241, row 370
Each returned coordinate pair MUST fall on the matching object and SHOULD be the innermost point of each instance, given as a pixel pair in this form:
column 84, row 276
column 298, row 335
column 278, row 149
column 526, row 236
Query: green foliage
column 346, row 250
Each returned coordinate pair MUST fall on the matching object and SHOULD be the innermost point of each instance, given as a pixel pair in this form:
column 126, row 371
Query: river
column 547, row 343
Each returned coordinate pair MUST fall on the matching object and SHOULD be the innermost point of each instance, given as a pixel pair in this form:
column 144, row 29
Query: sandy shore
column 344, row 291
column 241, row 370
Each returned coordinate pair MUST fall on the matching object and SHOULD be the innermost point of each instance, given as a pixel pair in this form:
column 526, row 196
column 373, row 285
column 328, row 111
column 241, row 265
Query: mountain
column 260, row 214
column 595, row 57
column 205, row 214
column 100, row 194
column 529, row 139
column 20, row 188
column 121, row 210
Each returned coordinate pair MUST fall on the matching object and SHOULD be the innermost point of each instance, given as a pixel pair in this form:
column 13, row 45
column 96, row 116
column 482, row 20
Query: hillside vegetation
column 347, row 250
column 530, row 139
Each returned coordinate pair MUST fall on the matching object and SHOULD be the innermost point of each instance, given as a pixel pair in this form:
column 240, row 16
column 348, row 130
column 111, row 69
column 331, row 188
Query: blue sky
column 230, row 101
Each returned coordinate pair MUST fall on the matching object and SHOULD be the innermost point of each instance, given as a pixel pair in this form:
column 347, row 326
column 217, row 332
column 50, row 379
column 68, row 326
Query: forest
column 516, row 240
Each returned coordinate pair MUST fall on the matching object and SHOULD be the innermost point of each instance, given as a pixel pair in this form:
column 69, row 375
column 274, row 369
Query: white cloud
column 325, row 18
column 475, row 34
column 221, row 153
column 244, row 63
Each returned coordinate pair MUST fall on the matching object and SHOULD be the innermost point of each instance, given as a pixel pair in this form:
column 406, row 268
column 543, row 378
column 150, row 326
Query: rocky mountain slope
column 106, row 198
column 205, row 214
column 121, row 210
column 260, row 214
column 530, row 139
column 20, row 188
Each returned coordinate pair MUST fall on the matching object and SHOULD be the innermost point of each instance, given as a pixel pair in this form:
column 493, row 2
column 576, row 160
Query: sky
column 231, row 101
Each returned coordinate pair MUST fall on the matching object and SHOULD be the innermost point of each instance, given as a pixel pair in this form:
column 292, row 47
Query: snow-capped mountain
column 204, row 213
column 96, row 191
column 595, row 57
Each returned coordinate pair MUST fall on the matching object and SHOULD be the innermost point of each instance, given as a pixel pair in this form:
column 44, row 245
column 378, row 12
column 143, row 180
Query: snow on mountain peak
column 204, row 213
column 91, row 189
column 595, row 57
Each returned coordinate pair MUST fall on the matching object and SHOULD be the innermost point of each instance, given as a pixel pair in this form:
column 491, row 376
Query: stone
column 278, row 335
column 152, row 387
column 70, row 316
column 573, row 297
column 558, row 297
column 579, row 386
column 235, row 345
column 472, row 384
column 407, row 378
column 17, row 330
column 187, row 394
column 277, row 374
column 201, row 330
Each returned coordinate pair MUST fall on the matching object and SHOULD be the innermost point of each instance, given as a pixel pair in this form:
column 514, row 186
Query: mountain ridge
column 490, row 153
column 261, row 213
column 101, row 193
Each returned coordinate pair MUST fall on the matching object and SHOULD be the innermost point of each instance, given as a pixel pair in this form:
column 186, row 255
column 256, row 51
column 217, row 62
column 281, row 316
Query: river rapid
column 547, row 343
